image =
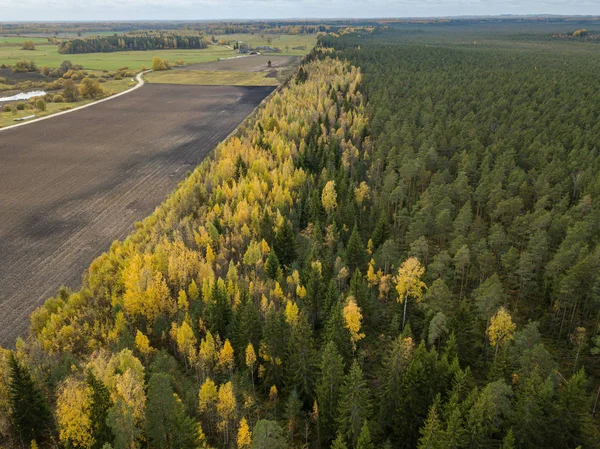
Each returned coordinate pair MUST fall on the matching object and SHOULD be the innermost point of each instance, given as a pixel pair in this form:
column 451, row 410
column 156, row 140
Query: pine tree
column 337, row 332
column 355, row 405
column 268, row 435
column 246, row 326
column 273, row 347
column 431, row 431
column 395, row 365
column 364, row 439
column 380, row 233
column 285, row 244
column 355, row 252
column 534, row 396
column 100, row 404
column 272, row 267
column 167, row 425
column 339, row 442
column 301, row 360
column 314, row 294
column 219, row 310
column 572, row 421
column 31, row 417
column 509, row 440
column 266, row 227
column 328, row 387
column 293, row 411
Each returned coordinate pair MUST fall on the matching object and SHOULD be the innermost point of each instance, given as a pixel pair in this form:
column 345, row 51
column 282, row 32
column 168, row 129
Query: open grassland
column 251, row 63
column 71, row 185
column 286, row 42
column 213, row 78
column 244, row 71
column 18, row 40
column 48, row 55
column 112, row 87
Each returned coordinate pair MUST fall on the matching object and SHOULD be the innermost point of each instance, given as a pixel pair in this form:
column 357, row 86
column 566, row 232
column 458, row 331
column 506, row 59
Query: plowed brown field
column 72, row 184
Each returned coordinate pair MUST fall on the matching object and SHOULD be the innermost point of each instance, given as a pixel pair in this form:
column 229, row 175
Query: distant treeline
column 279, row 27
column 105, row 44
column 579, row 35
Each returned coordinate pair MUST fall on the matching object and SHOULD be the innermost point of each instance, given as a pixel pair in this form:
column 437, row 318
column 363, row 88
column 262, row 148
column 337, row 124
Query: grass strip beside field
column 113, row 87
column 289, row 44
column 212, row 78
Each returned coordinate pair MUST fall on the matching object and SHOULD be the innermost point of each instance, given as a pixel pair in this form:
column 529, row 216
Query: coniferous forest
column 136, row 42
column 399, row 249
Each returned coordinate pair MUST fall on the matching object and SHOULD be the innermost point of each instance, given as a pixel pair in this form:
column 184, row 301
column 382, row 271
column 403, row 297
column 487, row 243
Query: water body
column 23, row 96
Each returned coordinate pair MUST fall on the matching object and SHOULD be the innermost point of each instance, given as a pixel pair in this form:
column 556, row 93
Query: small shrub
column 6, row 108
column 40, row 105
column 70, row 91
column 91, row 89
column 58, row 99
column 118, row 78
column 159, row 64
column 22, row 66
column 20, row 106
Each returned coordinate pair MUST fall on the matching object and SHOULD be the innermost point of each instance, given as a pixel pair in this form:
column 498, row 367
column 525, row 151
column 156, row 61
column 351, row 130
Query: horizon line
column 316, row 19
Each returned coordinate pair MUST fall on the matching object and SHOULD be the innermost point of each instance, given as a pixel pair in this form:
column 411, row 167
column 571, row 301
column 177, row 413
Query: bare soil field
column 253, row 63
column 16, row 77
column 71, row 185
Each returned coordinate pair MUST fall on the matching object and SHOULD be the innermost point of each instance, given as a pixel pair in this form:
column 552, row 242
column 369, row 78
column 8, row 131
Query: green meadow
column 46, row 54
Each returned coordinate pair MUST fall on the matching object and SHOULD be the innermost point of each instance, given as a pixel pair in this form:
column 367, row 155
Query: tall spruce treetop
column 285, row 244
column 32, row 419
column 355, row 404
column 355, row 251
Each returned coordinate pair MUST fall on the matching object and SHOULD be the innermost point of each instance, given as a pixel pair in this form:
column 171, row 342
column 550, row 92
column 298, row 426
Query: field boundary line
column 140, row 83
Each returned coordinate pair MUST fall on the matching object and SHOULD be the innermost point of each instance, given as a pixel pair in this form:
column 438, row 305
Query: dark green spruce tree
column 31, row 417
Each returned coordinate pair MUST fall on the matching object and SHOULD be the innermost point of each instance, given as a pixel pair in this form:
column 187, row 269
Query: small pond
column 23, row 96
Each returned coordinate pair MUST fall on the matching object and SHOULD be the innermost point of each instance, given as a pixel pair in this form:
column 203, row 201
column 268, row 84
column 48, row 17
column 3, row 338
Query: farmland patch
column 71, row 185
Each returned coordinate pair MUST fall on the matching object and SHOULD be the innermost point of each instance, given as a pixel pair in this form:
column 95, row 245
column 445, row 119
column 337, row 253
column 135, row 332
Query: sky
column 67, row 10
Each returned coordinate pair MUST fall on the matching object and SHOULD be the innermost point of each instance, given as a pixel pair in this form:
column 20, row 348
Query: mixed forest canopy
column 398, row 250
